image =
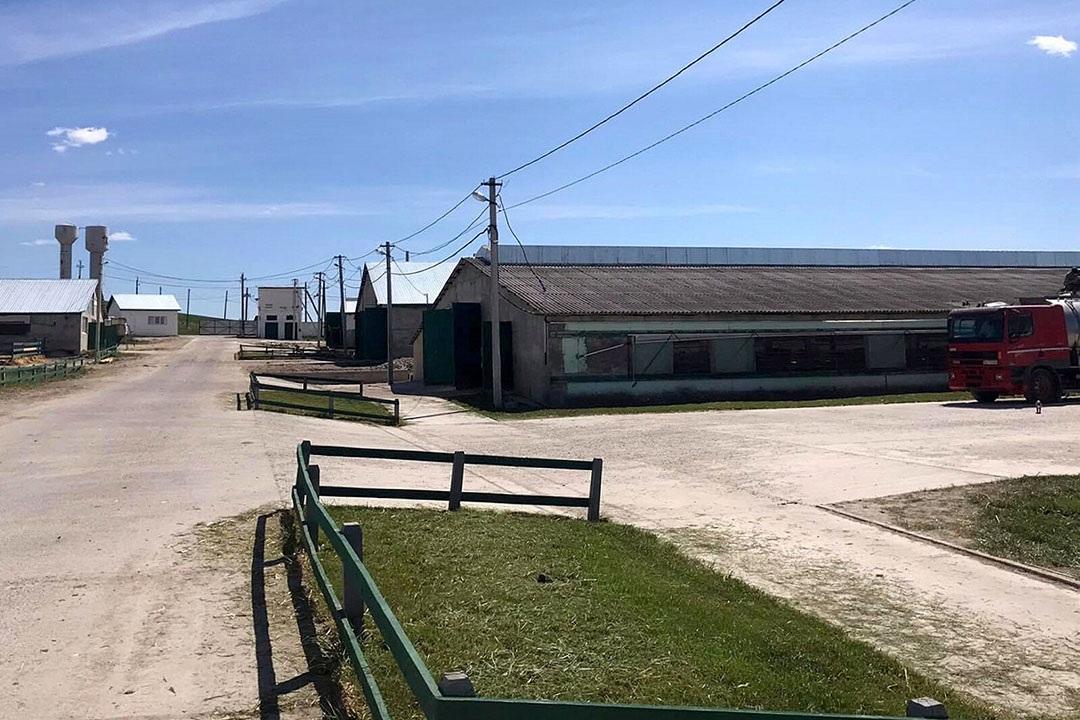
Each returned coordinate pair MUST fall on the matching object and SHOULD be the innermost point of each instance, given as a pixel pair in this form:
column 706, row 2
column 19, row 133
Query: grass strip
column 548, row 607
column 318, row 405
column 483, row 406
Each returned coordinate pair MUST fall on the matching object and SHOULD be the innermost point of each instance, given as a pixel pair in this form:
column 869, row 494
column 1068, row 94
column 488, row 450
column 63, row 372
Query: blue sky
column 262, row 136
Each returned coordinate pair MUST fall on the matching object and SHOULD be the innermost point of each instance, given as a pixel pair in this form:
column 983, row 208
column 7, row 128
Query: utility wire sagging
column 714, row 113
column 646, row 94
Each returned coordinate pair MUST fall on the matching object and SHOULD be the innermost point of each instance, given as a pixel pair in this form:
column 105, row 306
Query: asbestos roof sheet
column 145, row 302
column 413, row 283
column 46, row 296
column 691, row 290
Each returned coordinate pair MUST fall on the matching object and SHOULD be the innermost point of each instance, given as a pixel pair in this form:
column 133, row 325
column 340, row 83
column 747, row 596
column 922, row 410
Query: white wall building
column 281, row 309
column 147, row 315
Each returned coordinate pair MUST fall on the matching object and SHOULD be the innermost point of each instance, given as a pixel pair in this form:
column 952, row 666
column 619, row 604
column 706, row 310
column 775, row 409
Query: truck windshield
column 984, row 327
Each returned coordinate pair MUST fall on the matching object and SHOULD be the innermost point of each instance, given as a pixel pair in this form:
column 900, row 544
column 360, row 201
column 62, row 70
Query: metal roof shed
column 56, row 312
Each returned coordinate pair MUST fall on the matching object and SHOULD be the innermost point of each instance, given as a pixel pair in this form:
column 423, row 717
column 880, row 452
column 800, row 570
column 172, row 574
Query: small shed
column 147, row 315
column 414, row 287
column 57, row 312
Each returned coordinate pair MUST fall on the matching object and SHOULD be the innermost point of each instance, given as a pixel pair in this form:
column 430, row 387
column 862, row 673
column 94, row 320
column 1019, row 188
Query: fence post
column 309, row 507
column 330, row 403
column 254, row 389
column 397, row 411
column 305, row 449
column 457, row 478
column 353, row 600
column 594, row 489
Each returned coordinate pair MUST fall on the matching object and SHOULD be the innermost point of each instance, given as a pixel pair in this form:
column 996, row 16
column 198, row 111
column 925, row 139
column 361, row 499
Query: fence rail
column 15, row 374
column 361, row 595
column 272, row 352
column 257, row 387
column 23, row 349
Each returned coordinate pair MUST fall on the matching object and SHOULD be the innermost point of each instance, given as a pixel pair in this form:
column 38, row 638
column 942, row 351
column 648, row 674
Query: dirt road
column 108, row 615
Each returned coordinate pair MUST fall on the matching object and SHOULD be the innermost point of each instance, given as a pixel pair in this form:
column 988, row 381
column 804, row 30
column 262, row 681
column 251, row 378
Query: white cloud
column 882, row 247
column 38, row 242
column 1053, row 45
column 121, row 236
column 77, row 137
column 122, row 202
column 37, row 184
column 45, row 29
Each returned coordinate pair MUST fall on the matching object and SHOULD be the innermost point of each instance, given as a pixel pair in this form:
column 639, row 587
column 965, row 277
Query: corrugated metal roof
column 145, row 302
column 46, row 296
column 692, row 290
column 831, row 257
column 414, row 283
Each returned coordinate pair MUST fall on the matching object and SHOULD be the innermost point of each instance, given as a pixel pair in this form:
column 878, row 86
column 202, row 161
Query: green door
column 438, row 347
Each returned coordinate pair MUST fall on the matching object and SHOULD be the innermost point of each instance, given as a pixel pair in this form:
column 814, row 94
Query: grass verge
column 318, row 405
column 1034, row 519
column 547, row 607
column 189, row 324
column 483, row 406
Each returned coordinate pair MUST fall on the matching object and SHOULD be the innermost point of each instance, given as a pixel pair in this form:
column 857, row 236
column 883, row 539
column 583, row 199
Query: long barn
column 587, row 325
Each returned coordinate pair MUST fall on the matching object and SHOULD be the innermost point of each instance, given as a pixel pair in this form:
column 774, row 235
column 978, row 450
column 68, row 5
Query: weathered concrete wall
column 61, row 333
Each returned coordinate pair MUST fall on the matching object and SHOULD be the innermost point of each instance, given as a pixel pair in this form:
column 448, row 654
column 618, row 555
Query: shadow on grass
column 322, row 667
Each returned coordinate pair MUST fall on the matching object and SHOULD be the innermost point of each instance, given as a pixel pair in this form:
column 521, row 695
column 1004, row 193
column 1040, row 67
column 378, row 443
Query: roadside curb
column 1046, row 575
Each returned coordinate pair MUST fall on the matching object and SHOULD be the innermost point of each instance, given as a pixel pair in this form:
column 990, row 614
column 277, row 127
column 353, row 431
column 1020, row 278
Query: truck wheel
column 985, row 396
column 1043, row 386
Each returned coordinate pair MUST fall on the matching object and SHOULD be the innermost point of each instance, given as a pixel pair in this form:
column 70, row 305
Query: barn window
column 691, row 357
column 14, row 328
column 926, row 352
column 810, row 353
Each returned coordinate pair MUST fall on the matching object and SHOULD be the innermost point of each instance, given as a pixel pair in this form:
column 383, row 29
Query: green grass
column 319, row 405
column 483, row 406
column 1035, row 520
column 189, row 324
column 625, row 617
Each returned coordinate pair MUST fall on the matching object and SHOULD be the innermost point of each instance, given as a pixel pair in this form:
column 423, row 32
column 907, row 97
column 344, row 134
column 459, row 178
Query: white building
column 57, row 312
column 280, row 311
column 147, row 315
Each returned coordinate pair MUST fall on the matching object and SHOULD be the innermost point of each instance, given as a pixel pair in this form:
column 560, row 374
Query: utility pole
column 389, row 325
column 136, row 278
column 80, row 273
column 307, row 296
column 189, row 302
column 320, row 306
column 341, row 289
column 496, row 350
column 225, row 312
column 158, row 289
column 243, row 306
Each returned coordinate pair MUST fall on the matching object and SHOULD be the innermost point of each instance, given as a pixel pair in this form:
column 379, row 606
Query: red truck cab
column 1028, row 350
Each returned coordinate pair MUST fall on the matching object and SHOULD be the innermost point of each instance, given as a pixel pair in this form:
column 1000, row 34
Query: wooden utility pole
column 389, row 324
column 243, row 307
column 80, row 274
column 320, row 306
column 496, row 350
column 189, row 302
column 136, row 278
column 158, row 289
column 225, row 312
column 341, row 289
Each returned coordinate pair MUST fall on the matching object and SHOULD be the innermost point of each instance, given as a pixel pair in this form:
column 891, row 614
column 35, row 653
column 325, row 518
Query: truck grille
column 973, row 357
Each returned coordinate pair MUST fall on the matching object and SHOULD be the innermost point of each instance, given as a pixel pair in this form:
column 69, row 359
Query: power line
column 437, row 220
column 440, row 246
column 448, row 257
column 524, row 254
column 713, row 114
column 150, row 273
column 646, row 94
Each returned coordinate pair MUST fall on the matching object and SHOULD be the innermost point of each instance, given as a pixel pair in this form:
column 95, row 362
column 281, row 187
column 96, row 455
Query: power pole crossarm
column 496, row 350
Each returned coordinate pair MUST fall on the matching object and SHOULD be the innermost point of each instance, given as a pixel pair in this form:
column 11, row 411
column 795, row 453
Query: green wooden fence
column 257, row 386
column 315, row 523
column 16, row 374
